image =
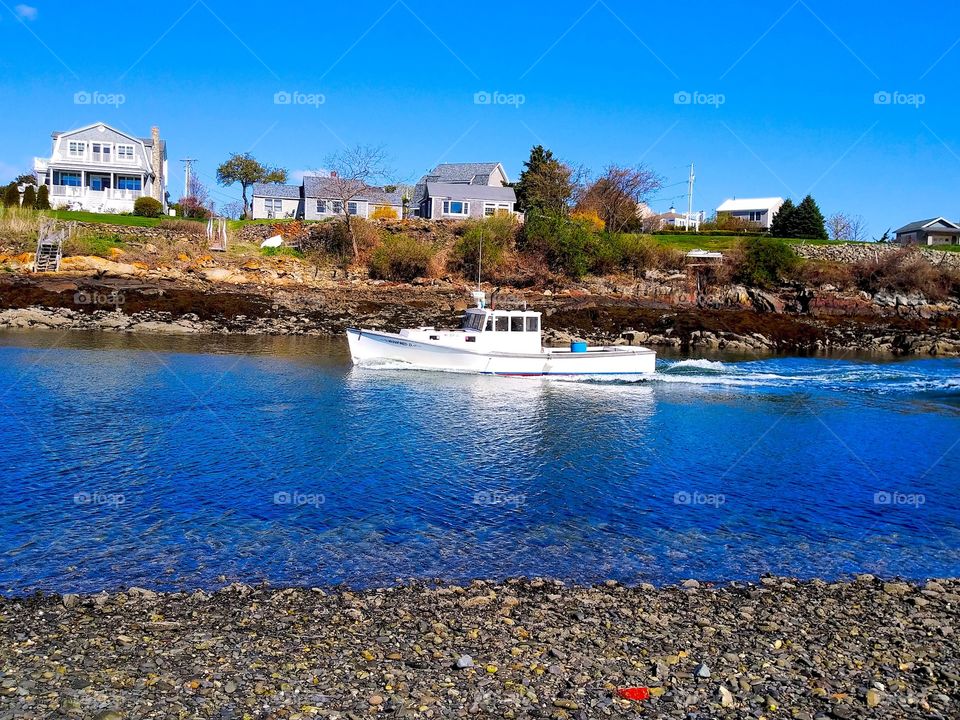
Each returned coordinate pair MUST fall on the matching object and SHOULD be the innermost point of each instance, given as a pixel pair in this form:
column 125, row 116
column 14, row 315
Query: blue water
column 182, row 463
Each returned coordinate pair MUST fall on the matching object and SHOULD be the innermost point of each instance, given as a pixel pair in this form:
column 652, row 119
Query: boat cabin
column 506, row 330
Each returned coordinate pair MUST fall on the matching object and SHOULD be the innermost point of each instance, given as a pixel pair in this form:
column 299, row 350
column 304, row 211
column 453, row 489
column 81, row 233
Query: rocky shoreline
column 780, row 648
column 746, row 322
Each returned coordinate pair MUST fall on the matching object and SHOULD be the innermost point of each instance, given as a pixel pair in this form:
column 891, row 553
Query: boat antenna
column 479, row 257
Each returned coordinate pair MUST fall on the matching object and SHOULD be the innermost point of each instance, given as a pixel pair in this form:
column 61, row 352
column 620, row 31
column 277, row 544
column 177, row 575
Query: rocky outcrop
column 866, row 252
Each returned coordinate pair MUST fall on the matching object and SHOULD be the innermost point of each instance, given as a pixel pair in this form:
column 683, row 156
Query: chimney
column 333, row 173
column 156, row 161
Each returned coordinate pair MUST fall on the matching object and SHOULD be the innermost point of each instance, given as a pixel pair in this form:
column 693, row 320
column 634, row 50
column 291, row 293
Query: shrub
column 498, row 234
column 816, row 273
column 384, row 212
column 190, row 207
column 589, row 217
column 187, row 227
column 905, row 271
column 567, row 245
column 29, row 196
column 148, row 207
column 765, row 262
column 11, row 195
column 400, row 257
column 43, row 198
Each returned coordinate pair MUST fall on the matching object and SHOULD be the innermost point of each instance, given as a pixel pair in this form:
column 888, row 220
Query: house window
column 321, row 206
column 756, row 216
column 353, row 208
column 337, row 206
column 101, row 152
column 273, row 206
column 125, row 153
column 76, row 149
column 99, row 182
column 70, row 179
column 491, row 209
column 125, row 182
column 456, row 207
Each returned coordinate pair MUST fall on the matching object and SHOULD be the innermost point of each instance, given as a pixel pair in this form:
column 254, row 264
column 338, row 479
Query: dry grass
column 18, row 229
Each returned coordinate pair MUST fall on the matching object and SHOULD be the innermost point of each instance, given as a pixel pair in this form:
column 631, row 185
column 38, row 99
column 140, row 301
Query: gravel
column 525, row 648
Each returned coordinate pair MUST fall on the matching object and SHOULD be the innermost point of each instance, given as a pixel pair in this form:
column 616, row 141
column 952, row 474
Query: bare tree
column 847, row 227
column 353, row 172
column 857, row 229
column 616, row 194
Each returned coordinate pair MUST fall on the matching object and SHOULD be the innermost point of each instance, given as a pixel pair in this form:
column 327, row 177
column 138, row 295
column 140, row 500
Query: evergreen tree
column 29, row 196
column 782, row 224
column 808, row 220
column 43, row 198
column 11, row 196
column 544, row 183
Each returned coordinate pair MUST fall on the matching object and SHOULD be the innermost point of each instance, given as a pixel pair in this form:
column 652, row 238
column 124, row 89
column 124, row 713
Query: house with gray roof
column 276, row 201
column 464, row 190
column 935, row 231
column 319, row 198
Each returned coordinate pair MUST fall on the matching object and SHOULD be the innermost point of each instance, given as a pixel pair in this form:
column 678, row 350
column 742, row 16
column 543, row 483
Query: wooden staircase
column 49, row 247
column 217, row 234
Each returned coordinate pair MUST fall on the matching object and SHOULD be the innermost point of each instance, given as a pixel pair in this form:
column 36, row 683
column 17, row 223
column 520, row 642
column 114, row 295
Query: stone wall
column 864, row 252
column 143, row 234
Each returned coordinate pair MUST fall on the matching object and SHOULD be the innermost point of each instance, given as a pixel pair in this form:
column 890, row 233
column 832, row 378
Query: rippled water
column 182, row 463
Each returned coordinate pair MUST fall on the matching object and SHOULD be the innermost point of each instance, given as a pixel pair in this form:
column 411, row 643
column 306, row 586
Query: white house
column 463, row 190
column 759, row 211
column 936, row 231
column 101, row 169
column 672, row 220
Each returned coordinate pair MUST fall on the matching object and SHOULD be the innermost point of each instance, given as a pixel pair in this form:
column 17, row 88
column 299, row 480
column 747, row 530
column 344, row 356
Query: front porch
column 96, row 190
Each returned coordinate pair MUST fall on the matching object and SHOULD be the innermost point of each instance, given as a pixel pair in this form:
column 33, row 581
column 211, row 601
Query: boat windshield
column 473, row 321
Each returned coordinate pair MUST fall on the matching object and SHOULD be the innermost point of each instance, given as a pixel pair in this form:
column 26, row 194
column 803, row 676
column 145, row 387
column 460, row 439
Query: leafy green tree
column 497, row 234
column 765, row 261
column 244, row 169
column 545, row 183
column 11, row 195
column 568, row 245
column 26, row 179
column 29, row 196
column 808, row 220
column 783, row 222
column 43, row 198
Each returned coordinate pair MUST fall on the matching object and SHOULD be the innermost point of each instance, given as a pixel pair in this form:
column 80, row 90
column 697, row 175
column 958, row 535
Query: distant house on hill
column 672, row 220
column 463, row 190
column 758, row 211
column 99, row 168
column 316, row 198
column 936, row 231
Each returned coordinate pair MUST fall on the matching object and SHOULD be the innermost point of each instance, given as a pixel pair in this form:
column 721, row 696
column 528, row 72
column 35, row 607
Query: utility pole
column 690, row 199
column 187, row 166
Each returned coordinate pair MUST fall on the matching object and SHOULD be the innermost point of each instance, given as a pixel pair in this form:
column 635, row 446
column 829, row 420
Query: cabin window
column 532, row 324
column 503, row 323
column 490, row 323
column 516, row 324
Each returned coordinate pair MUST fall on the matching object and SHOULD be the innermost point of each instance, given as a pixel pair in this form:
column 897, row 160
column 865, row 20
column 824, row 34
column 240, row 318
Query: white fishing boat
column 495, row 342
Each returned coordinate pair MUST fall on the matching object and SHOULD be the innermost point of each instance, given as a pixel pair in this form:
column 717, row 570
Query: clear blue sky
column 797, row 81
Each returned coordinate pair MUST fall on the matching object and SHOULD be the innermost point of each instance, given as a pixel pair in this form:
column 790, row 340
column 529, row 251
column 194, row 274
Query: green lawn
column 687, row 241
column 104, row 218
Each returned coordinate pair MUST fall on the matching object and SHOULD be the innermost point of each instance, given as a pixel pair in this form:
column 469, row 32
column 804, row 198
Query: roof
column 921, row 224
column 315, row 186
column 470, row 173
column 147, row 141
column 744, row 204
column 275, row 190
column 457, row 191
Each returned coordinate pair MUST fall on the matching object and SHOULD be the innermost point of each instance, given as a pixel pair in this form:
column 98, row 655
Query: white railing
column 85, row 192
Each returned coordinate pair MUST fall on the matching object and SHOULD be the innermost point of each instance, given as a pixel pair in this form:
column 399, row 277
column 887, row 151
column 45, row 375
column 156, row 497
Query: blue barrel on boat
column 578, row 346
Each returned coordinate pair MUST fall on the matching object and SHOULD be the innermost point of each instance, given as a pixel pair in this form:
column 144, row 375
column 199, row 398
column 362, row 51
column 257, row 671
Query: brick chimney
column 156, row 161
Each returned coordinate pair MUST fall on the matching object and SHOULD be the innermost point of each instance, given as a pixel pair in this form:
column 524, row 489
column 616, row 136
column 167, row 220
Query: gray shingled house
column 462, row 190
column 316, row 199
column 935, row 231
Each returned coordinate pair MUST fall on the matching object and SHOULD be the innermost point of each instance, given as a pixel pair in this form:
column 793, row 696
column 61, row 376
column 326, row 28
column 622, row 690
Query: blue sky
column 783, row 94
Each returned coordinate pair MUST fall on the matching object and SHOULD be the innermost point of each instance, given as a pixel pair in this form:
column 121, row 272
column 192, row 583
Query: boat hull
column 370, row 347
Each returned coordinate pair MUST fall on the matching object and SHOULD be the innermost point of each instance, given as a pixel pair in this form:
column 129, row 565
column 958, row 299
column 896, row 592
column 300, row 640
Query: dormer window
column 125, row 153
column 76, row 149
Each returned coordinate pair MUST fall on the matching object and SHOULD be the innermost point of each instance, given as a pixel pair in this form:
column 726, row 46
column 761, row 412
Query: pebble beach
column 779, row 648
